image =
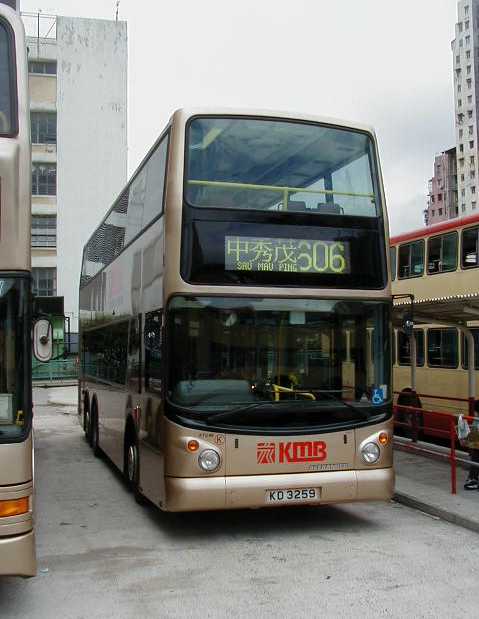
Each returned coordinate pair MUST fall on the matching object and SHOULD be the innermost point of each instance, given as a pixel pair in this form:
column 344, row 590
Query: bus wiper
column 258, row 405
column 330, row 394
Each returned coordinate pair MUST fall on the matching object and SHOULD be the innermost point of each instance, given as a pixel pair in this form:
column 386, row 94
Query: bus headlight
column 370, row 453
column 209, row 460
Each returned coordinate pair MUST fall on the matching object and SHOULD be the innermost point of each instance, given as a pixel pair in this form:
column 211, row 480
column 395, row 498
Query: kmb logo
column 291, row 452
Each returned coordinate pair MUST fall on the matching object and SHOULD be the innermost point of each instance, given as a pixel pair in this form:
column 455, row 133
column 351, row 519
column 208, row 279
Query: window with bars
column 44, row 179
column 44, row 282
column 42, row 67
column 44, row 127
column 44, row 230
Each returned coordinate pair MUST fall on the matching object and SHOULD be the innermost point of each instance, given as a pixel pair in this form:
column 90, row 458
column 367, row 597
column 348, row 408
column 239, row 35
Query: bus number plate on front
column 292, row 495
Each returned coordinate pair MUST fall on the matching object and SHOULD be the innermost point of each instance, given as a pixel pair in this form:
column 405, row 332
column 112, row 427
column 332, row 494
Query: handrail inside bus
column 278, row 389
column 284, row 190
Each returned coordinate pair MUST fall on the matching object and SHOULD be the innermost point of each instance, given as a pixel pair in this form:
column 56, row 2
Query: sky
column 383, row 63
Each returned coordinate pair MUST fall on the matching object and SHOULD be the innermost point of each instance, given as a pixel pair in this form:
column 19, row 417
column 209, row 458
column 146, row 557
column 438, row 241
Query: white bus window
column 14, row 356
column 138, row 206
column 153, row 351
column 469, row 248
column 411, row 260
column 7, row 87
column 404, row 348
column 105, row 353
column 248, row 163
column 442, row 253
column 442, row 348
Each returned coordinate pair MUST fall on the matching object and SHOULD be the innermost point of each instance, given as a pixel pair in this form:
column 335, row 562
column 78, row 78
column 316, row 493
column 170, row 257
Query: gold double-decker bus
column 17, row 548
column 235, row 310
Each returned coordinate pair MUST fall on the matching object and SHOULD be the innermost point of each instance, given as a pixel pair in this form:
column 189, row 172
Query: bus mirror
column 42, row 340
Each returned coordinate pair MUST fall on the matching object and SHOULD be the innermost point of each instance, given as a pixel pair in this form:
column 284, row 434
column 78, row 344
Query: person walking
column 472, row 443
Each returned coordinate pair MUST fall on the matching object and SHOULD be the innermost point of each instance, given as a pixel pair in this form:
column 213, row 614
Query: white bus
column 235, row 317
column 17, row 546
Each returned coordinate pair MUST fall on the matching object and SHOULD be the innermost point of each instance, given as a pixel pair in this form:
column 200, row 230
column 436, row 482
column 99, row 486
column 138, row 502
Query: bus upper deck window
column 277, row 165
column 6, row 87
column 411, row 260
column 469, row 248
column 442, row 253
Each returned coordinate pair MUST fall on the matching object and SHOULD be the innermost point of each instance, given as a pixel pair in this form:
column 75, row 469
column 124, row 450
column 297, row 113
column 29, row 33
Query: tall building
column 466, row 92
column 78, row 92
column 442, row 195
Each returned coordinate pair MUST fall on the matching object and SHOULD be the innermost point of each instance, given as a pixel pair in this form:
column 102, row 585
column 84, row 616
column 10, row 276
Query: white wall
column 92, row 138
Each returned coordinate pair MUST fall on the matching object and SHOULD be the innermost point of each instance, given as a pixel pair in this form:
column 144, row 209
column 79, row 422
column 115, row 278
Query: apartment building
column 465, row 50
column 78, row 91
column 442, row 195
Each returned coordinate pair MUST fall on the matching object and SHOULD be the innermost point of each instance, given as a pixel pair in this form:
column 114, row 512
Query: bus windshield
column 276, row 165
column 14, row 359
column 227, row 353
column 6, row 111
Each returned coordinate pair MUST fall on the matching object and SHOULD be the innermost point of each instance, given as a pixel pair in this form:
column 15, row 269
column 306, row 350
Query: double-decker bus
column 17, row 548
column 438, row 266
column 235, row 311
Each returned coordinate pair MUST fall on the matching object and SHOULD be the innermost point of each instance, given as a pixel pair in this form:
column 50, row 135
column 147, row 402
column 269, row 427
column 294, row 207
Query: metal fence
column 64, row 369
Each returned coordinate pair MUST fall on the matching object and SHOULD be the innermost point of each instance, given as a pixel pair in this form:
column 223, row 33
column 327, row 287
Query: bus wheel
column 132, row 467
column 94, row 437
column 87, row 424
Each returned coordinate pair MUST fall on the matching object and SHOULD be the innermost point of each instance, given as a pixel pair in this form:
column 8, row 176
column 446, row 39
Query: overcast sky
column 383, row 63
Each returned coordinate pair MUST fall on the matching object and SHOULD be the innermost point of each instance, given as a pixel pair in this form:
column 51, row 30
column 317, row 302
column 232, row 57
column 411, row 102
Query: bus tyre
column 132, row 468
column 88, row 426
column 94, row 437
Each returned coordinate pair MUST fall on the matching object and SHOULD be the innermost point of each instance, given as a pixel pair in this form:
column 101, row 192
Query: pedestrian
column 472, row 443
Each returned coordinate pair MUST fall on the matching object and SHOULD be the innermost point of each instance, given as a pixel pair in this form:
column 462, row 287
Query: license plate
column 293, row 495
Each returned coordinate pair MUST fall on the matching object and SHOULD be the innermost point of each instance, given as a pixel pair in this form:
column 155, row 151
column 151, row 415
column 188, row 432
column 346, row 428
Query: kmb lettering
column 291, row 452
column 307, row 451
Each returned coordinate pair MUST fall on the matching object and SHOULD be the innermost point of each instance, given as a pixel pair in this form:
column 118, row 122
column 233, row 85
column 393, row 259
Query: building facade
column 465, row 48
column 442, row 194
column 78, row 93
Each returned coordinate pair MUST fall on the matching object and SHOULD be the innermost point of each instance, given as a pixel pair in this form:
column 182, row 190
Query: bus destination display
column 246, row 253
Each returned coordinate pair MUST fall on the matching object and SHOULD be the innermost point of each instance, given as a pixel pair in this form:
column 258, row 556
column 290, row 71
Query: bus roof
column 185, row 113
column 444, row 226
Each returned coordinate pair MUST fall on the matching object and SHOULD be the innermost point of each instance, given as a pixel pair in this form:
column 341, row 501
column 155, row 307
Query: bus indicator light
column 193, row 446
column 384, row 438
column 15, row 507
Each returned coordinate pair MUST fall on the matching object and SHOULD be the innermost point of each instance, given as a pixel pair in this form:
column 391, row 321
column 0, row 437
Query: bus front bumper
column 252, row 491
column 17, row 555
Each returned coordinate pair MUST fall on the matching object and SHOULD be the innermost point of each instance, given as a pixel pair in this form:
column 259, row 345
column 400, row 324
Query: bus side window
column 6, row 81
column 392, row 251
column 153, row 351
column 470, row 248
column 404, row 352
column 442, row 348
column 411, row 260
column 133, row 367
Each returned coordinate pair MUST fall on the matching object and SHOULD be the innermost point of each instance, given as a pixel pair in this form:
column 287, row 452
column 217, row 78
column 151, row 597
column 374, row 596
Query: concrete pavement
column 101, row 555
column 425, row 484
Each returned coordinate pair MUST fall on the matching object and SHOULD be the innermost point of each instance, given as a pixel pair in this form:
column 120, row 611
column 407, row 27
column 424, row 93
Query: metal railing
column 62, row 369
column 413, row 420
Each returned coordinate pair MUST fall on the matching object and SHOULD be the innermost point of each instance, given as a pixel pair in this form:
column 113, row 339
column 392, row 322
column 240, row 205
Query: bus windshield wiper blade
column 255, row 406
column 330, row 394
